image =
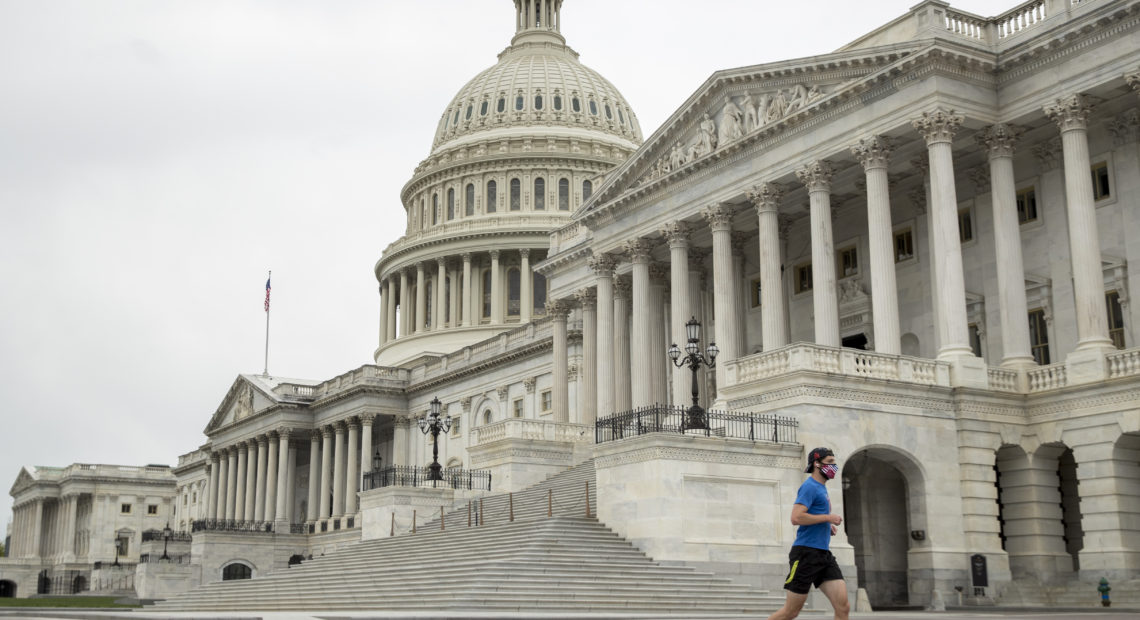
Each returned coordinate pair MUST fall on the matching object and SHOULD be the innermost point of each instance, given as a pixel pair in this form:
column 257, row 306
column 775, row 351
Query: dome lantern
column 539, row 21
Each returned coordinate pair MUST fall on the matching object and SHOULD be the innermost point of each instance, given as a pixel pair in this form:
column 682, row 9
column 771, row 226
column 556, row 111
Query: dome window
column 434, row 209
column 450, row 203
column 467, row 116
column 516, row 195
column 502, row 105
column 455, row 121
column 469, row 200
column 514, row 292
column 487, row 294
column 483, row 109
column 539, row 292
column 621, row 117
column 563, row 194
column 587, row 190
column 609, row 114
column 519, row 102
column 575, row 105
column 538, row 102
column 593, row 109
column 492, row 196
column 540, row 194
column 558, row 102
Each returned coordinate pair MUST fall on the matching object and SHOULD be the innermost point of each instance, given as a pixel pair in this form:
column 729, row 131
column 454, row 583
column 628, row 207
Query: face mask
column 829, row 470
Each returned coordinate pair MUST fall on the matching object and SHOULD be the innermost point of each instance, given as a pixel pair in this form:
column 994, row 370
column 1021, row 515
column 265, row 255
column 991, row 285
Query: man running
column 810, row 561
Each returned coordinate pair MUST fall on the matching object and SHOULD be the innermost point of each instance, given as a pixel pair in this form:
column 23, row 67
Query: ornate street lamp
column 166, row 532
column 435, row 424
column 377, row 461
column 118, row 550
column 694, row 360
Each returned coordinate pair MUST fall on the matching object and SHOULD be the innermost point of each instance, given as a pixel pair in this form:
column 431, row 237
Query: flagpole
column 265, row 371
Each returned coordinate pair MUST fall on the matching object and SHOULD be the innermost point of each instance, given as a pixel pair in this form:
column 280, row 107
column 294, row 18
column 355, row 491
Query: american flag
column 267, row 289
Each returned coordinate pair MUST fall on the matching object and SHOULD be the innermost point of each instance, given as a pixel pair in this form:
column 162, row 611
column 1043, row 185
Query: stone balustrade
column 833, row 360
column 568, row 236
column 1124, row 363
column 1048, row 377
column 521, row 428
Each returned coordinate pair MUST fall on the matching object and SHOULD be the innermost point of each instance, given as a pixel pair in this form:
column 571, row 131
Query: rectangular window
column 755, row 293
column 904, row 245
column 152, row 509
column 1101, row 189
column 1027, row 205
column 965, row 225
column 1039, row 336
column 122, row 545
column 185, row 499
column 847, row 259
column 1115, row 319
column 194, row 498
column 517, row 406
column 803, row 278
column 125, row 509
column 975, row 339
column 547, row 401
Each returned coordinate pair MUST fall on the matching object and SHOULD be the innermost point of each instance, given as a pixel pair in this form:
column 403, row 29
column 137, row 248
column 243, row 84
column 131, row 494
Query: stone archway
column 7, row 588
column 884, row 518
column 79, row 584
column 1126, row 458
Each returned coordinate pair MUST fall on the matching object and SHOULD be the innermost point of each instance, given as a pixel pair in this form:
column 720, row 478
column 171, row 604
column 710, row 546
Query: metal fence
column 413, row 476
column 230, row 525
column 681, row 420
column 156, row 535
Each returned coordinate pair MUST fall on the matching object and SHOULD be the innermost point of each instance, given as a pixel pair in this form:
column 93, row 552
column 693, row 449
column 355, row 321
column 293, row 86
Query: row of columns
column 45, row 528
column 250, row 480
column 465, row 297
column 336, row 452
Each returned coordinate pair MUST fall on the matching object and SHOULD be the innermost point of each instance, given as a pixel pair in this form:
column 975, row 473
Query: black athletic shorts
column 808, row 566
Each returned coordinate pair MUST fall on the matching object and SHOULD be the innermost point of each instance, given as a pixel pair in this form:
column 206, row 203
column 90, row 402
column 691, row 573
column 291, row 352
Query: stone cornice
column 534, row 349
column 1108, row 21
column 562, row 259
column 385, row 266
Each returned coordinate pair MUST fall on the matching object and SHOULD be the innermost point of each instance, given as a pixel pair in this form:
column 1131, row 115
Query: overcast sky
column 157, row 158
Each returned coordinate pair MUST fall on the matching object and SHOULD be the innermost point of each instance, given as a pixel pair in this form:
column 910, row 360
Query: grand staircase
column 562, row 563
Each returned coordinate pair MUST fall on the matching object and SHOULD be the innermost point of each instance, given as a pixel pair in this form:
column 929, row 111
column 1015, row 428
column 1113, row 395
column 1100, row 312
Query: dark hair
column 817, row 454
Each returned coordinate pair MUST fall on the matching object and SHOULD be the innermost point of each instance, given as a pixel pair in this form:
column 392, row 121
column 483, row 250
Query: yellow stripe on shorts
column 792, row 573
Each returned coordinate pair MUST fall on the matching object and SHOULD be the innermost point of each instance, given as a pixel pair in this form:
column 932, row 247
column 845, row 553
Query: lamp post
column 118, row 550
column 693, row 358
column 434, row 423
column 166, row 532
column 376, row 461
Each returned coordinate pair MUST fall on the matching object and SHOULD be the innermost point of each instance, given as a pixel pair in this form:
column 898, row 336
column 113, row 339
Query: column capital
column 215, row 456
column 1070, row 112
column 262, row 440
column 677, row 234
column 558, row 310
column 718, row 216
column 1133, row 80
column 315, row 436
column 1125, row 128
column 697, row 258
column 327, row 431
column 939, row 125
column 353, row 424
column 637, row 250
column 874, row 152
column 441, row 262
column 658, row 273
column 502, row 391
column 602, row 265
column 999, row 139
column 622, row 287
column 1048, row 154
column 740, row 240
column 466, row 258
column 494, row 254
column 367, row 418
column 529, row 384
column 816, row 176
column 420, row 266
column 284, row 433
column 339, row 427
column 765, row 196
column 524, row 253
column 980, row 176
column 587, row 298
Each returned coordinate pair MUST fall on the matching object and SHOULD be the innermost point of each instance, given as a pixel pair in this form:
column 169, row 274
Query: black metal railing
column 156, row 535
column 412, row 476
column 664, row 419
column 230, row 525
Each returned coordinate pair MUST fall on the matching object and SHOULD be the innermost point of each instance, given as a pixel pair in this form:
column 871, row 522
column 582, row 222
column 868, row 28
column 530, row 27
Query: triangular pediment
column 244, row 399
column 736, row 106
column 24, row 480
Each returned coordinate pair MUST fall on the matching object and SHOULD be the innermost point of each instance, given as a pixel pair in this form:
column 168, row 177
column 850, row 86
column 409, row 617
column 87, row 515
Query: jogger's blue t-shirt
column 813, row 494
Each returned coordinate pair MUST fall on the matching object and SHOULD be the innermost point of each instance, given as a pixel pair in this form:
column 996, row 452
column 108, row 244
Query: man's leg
column 792, row 606
column 836, row 591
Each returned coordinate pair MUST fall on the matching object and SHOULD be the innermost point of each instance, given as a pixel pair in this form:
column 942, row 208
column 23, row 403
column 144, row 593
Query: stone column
column 314, row 476
column 999, row 140
column 282, row 512
column 623, row 399
column 231, row 483
column 421, row 299
column 271, row 480
column 773, row 323
column 659, row 380
column 719, row 218
column 558, row 311
column 37, row 528
column 468, row 291
column 874, row 153
column 400, row 430
column 440, row 297
column 938, row 129
column 383, row 314
column 366, row 444
column 262, row 472
column 641, row 372
column 497, row 296
column 212, row 493
column 338, row 472
column 526, row 281
column 390, row 299
column 239, row 497
column 603, row 267
column 453, row 304
column 588, row 397
column 405, row 305
column 1071, row 115
column 677, row 234
column 223, row 465
column 740, row 239
column 69, row 506
column 351, row 476
column 326, row 471
column 816, row 176
column 290, row 486
column 250, row 479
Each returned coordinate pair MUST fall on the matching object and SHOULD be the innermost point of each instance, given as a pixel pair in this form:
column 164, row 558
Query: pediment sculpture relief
column 738, row 118
column 243, row 408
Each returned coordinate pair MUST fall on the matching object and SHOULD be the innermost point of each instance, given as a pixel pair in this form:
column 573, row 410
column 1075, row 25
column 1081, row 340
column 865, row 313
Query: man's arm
column 800, row 516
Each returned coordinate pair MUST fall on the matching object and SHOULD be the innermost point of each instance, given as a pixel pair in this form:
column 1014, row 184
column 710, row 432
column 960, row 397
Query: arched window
column 434, row 209
column 467, row 115
column 450, row 203
column 488, row 417
column 563, row 194
column 469, row 199
column 557, row 102
column 538, row 102
column 593, row 109
column 539, row 194
column 514, row 292
column 455, row 121
column 447, row 299
column 539, row 293
column 587, row 190
column 492, row 196
column 502, row 105
column 237, row 570
column 575, row 105
column 483, row 109
column 516, row 195
column 621, row 117
column 519, row 102
column 609, row 114
column 487, row 294
column 429, row 286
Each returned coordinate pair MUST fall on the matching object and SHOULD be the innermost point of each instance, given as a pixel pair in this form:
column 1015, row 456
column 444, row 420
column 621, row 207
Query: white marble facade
column 919, row 247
